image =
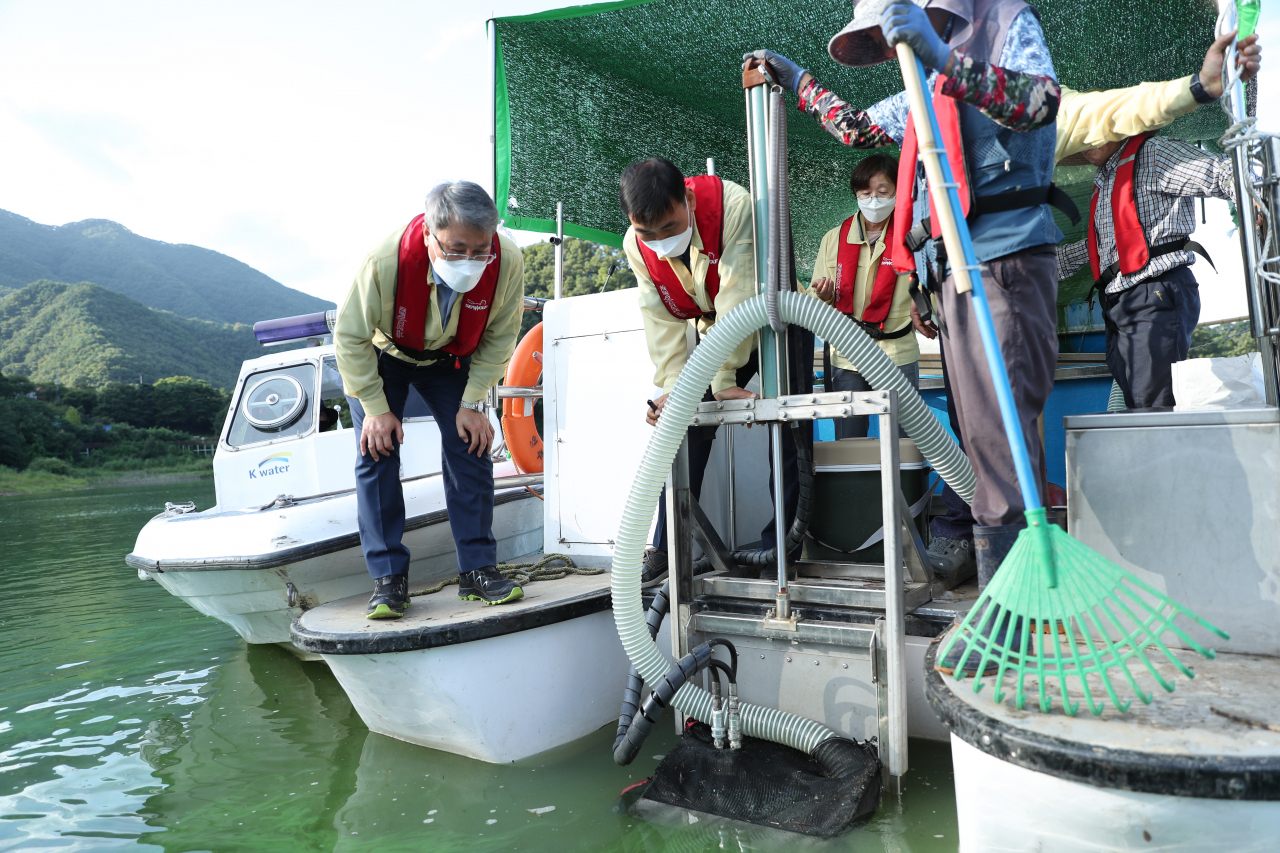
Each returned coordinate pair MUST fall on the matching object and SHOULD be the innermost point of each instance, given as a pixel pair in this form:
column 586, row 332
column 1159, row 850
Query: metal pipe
column 894, row 606
column 780, row 521
column 559, row 250
column 505, row 391
column 491, row 28
column 733, row 488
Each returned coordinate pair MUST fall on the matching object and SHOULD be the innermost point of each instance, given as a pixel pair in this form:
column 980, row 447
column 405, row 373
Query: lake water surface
column 129, row 721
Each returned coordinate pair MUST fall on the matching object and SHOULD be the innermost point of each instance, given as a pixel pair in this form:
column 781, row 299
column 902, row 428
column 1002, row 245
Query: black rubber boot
column 990, row 546
column 390, row 597
column 488, row 585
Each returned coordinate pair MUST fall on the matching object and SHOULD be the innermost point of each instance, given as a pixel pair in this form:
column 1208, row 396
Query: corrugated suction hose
column 732, row 328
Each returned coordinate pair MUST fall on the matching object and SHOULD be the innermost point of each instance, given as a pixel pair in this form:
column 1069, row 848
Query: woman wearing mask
column 854, row 274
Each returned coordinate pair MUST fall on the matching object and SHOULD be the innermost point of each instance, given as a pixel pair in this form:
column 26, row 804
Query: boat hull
column 1055, row 815
column 255, row 601
column 488, row 699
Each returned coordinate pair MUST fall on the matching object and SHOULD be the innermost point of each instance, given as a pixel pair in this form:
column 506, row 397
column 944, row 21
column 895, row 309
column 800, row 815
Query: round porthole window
column 275, row 402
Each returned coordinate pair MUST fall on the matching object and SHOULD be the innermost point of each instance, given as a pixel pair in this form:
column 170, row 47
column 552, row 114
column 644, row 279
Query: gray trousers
column 1149, row 328
column 851, row 380
column 1022, row 290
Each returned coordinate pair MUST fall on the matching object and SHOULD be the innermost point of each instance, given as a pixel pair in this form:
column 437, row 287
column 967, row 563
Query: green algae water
column 130, row 722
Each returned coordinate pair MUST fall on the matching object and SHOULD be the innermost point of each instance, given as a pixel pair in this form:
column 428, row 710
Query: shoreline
column 140, row 477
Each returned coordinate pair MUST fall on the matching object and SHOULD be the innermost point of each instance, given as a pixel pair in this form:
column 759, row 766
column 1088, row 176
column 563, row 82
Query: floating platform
column 494, row 683
column 1197, row 770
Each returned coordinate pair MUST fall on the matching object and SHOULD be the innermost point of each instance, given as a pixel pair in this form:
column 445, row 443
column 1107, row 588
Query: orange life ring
column 518, row 427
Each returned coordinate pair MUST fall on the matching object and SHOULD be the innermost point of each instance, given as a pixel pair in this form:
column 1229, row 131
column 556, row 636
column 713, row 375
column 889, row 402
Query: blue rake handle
column 981, row 309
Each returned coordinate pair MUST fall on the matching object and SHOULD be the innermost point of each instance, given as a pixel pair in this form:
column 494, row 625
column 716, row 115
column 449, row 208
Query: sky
column 292, row 136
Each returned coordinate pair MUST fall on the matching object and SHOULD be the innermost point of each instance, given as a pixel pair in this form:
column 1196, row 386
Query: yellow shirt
column 664, row 332
column 903, row 350
column 1090, row 119
column 370, row 305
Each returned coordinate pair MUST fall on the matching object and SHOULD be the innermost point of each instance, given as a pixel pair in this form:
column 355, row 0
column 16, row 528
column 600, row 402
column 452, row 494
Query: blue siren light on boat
column 286, row 329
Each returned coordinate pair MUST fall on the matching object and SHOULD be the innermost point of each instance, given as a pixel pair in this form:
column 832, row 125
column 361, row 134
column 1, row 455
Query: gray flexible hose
column 633, row 529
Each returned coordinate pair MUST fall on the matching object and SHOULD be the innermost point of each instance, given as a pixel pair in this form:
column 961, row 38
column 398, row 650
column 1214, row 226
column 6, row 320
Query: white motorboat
column 283, row 534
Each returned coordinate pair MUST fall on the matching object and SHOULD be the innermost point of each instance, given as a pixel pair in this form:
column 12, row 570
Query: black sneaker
column 489, row 586
column 655, row 565
column 390, row 597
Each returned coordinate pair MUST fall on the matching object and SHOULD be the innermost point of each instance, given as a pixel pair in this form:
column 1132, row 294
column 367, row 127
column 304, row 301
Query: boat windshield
column 274, row 404
column 332, row 399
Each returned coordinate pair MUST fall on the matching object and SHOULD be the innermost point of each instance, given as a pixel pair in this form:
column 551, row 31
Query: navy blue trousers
column 1149, row 327
column 468, row 479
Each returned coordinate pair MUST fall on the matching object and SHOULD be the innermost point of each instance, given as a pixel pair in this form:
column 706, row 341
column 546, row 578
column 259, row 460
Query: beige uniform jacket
column 664, row 332
column 369, row 307
column 1091, row 119
column 903, row 350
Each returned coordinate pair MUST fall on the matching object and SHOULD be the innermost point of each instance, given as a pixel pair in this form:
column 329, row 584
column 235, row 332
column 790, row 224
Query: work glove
column 786, row 72
column 903, row 22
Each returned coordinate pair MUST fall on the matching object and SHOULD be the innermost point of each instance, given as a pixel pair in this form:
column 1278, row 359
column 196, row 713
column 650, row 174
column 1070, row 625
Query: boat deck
column 442, row 619
column 1217, row 734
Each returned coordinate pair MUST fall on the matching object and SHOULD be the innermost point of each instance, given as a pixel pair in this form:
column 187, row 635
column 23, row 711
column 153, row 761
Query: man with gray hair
column 436, row 305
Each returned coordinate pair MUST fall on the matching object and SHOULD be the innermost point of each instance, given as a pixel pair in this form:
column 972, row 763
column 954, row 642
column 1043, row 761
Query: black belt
column 1001, row 203
column 880, row 334
column 421, row 355
column 1186, row 244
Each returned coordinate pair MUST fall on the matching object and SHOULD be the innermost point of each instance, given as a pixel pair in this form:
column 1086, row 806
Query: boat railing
column 515, row 481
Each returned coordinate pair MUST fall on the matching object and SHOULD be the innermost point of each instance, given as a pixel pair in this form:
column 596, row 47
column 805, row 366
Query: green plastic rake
column 1055, row 610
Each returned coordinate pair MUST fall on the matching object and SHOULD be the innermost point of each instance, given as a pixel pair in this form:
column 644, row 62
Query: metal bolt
column 813, row 399
column 782, row 416
column 720, row 419
column 844, row 398
column 815, row 663
column 845, row 410
column 719, row 406
column 986, row 740
column 845, row 665
column 761, row 657
column 788, row 659
column 749, row 419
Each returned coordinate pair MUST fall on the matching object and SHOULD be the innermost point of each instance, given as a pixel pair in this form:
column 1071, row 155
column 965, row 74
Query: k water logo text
column 275, row 464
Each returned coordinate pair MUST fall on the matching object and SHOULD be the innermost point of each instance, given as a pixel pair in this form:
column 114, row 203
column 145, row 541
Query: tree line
column 119, row 422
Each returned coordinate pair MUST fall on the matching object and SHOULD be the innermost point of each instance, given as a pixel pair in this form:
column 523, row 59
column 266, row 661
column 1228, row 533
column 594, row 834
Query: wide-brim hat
column 858, row 45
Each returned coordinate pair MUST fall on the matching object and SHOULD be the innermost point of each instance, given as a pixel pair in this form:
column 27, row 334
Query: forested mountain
column 187, row 280
column 85, row 334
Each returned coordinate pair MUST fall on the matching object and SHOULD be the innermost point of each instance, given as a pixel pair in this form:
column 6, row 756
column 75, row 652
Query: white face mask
column 876, row 209
column 672, row 247
column 459, row 275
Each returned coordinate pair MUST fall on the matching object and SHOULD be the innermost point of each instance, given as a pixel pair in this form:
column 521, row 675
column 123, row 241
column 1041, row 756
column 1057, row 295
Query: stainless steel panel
column 829, row 684
column 797, row 407
column 1209, row 417
column 827, row 633
column 834, row 593
column 1192, row 510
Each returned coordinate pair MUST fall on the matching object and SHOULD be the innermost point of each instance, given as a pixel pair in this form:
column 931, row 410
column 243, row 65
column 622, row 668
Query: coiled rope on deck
column 523, row 573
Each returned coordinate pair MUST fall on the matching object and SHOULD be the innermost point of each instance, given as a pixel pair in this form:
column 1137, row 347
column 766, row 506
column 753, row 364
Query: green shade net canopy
column 583, row 91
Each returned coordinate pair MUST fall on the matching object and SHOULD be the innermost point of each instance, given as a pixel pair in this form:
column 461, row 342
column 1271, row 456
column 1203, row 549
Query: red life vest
column 708, row 216
column 1131, row 240
column 949, row 123
column 413, row 293
column 886, row 278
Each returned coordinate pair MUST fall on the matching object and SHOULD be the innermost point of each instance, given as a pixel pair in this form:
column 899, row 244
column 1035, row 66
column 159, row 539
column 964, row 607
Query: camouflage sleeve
column 850, row 125
column 1013, row 99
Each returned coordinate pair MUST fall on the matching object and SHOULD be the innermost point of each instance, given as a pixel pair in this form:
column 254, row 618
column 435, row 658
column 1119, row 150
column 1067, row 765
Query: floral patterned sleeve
column 1012, row 99
column 850, row 125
